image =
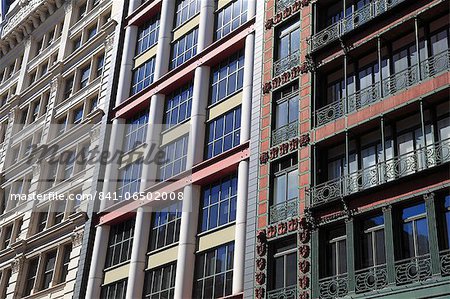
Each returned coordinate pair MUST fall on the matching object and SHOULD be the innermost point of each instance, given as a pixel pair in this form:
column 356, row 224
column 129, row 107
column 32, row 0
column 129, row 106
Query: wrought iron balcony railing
column 284, row 293
column 284, row 133
column 350, row 22
column 390, row 85
column 286, row 63
column 283, row 210
column 445, row 262
column 369, row 279
column 382, row 172
column 282, row 4
column 333, row 287
column 413, row 269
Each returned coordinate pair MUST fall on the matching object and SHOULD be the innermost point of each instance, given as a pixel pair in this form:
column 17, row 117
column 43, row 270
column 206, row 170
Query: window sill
column 47, row 290
column 155, row 251
column 217, row 228
column 110, row 268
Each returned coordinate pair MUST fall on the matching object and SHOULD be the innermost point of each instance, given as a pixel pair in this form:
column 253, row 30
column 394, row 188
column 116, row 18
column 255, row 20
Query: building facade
column 352, row 196
column 185, row 88
column 56, row 63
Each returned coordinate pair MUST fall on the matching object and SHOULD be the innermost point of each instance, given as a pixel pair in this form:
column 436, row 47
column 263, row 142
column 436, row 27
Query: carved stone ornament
column 261, row 264
column 36, row 170
column 95, row 134
column 109, row 43
column 17, row 264
column 77, row 238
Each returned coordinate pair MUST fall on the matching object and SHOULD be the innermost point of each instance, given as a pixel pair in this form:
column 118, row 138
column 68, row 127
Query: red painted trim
column 202, row 174
column 143, row 13
column 175, row 78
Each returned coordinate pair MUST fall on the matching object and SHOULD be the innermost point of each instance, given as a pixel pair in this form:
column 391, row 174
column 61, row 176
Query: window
column 77, row 115
column 69, row 159
column 231, row 17
column 175, row 158
column 372, row 242
column 65, row 262
column 42, row 220
column 284, row 264
column 160, row 283
column 214, row 272
column 49, row 268
column 185, row 10
column 228, row 77
column 6, row 275
column 178, row 106
column 35, row 111
column 93, row 103
column 61, row 125
column 92, row 32
column 130, row 179
column 82, row 10
column 336, row 252
column 143, row 76
column 33, row 76
column 44, row 69
column 116, row 290
column 120, row 243
column 414, row 233
column 7, row 236
column 219, row 203
column 165, row 226
column 285, row 181
column 68, row 87
column 31, row 276
column 147, row 35
column 100, row 64
column 59, row 210
column 136, row 131
column 288, row 40
column 76, row 43
column 84, row 78
column 286, row 107
column 184, row 48
column 223, row 133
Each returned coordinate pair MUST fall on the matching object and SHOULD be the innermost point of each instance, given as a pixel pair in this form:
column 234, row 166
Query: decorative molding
column 94, row 134
column 284, row 148
column 26, row 8
column 77, row 238
column 429, row 196
column 36, row 169
column 109, row 43
column 17, row 264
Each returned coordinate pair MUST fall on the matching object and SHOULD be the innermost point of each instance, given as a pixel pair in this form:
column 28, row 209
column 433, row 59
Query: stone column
column 149, row 171
column 190, row 209
column 95, row 277
column 243, row 167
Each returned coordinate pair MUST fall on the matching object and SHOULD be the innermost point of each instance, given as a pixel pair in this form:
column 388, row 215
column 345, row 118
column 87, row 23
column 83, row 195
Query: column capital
column 428, row 196
column 386, row 208
column 77, row 238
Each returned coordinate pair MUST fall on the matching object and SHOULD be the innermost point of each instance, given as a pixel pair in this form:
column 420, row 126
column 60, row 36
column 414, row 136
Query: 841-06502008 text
column 141, row 196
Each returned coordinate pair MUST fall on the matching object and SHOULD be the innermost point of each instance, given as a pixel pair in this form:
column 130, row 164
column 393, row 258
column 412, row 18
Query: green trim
column 433, row 235
column 389, row 244
column 350, row 246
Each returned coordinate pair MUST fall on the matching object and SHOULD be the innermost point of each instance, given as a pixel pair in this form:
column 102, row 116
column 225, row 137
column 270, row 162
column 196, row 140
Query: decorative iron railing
column 284, row 133
column 390, row 85
column 333, row 287
column 286, row 63
column 283, row 210
column 382, row 172
column 350, row 22
column 370, row 279
column 282, row 4
column 413, row 269
column 284, row 293
column 445, row 262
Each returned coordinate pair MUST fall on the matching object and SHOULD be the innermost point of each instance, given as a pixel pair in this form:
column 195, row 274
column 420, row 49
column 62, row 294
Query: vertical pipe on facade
column 383, row 149
column 347, row 157
column 345, row 84
column 389, row 244
column 188, row 229
column 424, row 136
column 243, row 168
column 380, row 63
column 143, row 216
column 416, row 31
